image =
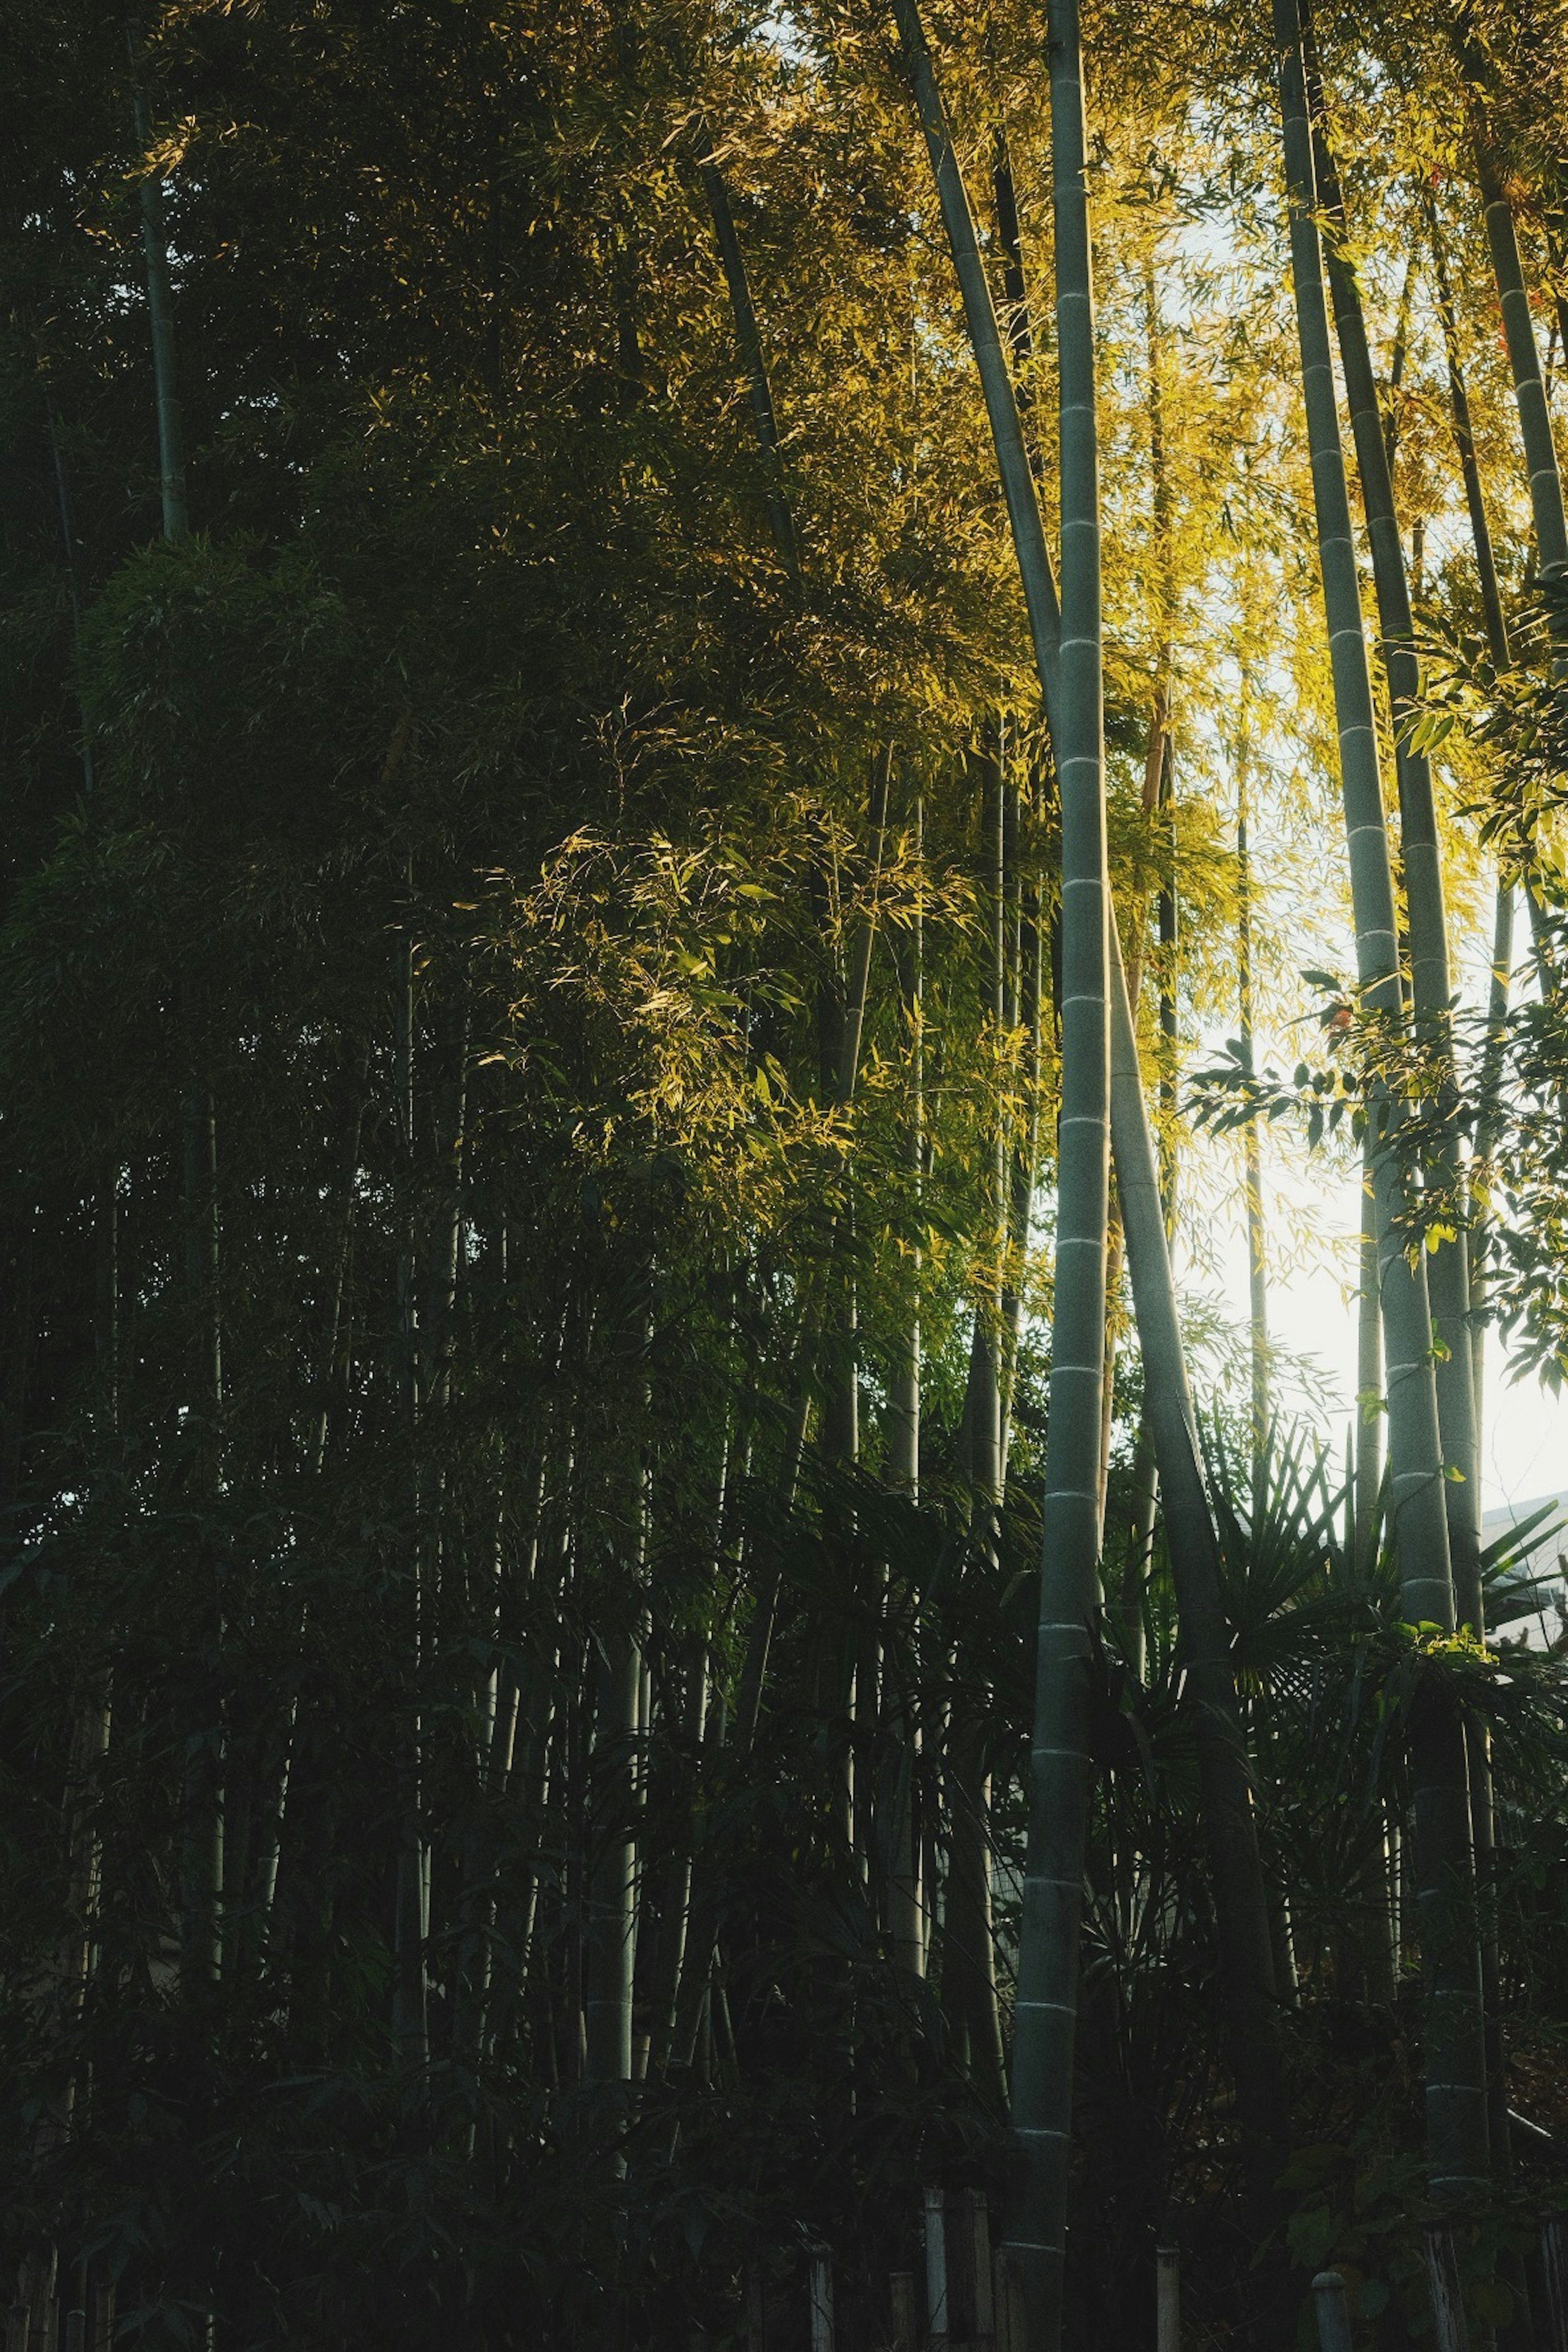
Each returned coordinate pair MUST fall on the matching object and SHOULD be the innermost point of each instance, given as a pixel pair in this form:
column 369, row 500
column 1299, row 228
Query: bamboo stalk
column 161, row 322
column 1167, row 2299
column 1448, row 2325
column 822, row 2329
column 904, row 1387
column 1333, row 2312
column 1545, row 477
column 1447, row 1270
column 1370, row 1400
column 995, row 384
column 937, row 2320
column 748, row 342
column 1045, row 2008
column 1231, row 1829
column 1456, row 2071
column 1554, row 2265
column 1256, row 1246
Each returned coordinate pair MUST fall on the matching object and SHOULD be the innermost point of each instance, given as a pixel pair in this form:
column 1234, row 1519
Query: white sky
column 1312, row 1314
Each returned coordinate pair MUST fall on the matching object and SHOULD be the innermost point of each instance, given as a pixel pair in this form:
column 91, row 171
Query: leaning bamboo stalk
column 749, row 343
column 1448, row 1272
column 1455, row 2074
column 1241, row 1900
column 1449, row 1265
column 1544, row 476
column 1465, row 444
column 979, row 318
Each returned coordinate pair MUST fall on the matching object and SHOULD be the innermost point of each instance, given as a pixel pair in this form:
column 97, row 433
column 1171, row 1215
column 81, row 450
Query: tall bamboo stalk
column 904, row 1387
column 411, row 1893
column 1456, row 2071
column 1046, row 2005
column 1169, row 914
column 70, row 549
column 1241, row 1900
column 1370, row 1400
column 1447, row 1270
column 1488, row 1123
column 983, row 1402
column 1465, row 444
column 749, row 341
column 1026, row 1150
column 979, row 318
column 1541, row 467
column 1252, row 1139
column 201, row 1859
column 161, row 322
column 1502, row 654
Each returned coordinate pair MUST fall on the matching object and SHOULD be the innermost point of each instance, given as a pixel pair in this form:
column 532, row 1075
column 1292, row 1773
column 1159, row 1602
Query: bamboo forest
column 762, row 766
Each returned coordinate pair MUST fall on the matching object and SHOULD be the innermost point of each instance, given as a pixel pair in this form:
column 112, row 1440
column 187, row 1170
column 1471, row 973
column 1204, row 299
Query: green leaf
column 1311, row 2233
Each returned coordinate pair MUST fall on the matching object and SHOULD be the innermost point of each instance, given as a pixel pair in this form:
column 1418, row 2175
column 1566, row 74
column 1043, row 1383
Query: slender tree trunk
column 411, row 1908
column 1456, row 2072
column 1524, row 360
column 969, row 1977
column 749, row 341
column 1025, row 1158
column 1114, row 1256
column 969, row 1970
column 71, row 547
column 1371, row 1403
column 161, row 321
column 1447, row 1270
column 995, row 384
column 1170, row 1035
column 983, row 1404
column 1502, row 654
column 904, row 1911
column 203, row 1859
column 845, row 1028
column 904, row 1391
column 1257, row 1245
column 1400, row 351
column 675, row 1904
column 1139, row 1563
column 1447, row 1265
column 1488, row 1123
column 1465, row 443
column 1046, row 2006
column 1157, row 755
column 1014, row 287
column 1241, row 1899
column 611, row 1923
